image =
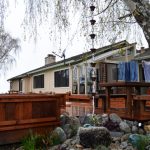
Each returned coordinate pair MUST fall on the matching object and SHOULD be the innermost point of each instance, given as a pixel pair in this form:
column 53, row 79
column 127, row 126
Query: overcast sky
column 32, row 55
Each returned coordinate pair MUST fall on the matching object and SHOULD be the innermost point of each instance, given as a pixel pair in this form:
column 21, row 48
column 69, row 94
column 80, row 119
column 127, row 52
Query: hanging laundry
column 128, row 71
column 121, row 71
column 133, row 71
column 146, row 66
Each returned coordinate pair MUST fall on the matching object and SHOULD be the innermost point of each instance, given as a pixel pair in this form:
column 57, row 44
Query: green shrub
column 55, row 139
column 34, row 142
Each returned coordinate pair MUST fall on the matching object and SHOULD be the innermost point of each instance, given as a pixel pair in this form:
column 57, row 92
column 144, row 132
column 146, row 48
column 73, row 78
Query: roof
column 144, row 55
column 75, row 59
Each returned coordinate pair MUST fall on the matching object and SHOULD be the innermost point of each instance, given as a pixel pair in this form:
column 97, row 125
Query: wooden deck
column 133, row 109
column 126, row 104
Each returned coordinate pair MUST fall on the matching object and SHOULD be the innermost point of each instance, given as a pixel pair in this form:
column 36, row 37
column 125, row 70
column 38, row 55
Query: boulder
column 69, row 130
column 116, row 134
column 139, row 141
column 94, row 136
column 115, row 118
column 105, row 118
column 64, row 119
column 70, row 125
column 74, row 121
column 134, row 129
column 124, row 127
column 59, row 135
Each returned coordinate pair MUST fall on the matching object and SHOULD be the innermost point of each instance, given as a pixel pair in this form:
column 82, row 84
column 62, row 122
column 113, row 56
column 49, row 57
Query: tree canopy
column 8, row 46
column 115, row 19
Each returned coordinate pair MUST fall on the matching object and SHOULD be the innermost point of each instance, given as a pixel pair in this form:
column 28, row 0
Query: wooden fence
column 20, row 113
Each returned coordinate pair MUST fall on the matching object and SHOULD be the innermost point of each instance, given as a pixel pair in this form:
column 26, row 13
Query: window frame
column 36, row 86
column 63, row 81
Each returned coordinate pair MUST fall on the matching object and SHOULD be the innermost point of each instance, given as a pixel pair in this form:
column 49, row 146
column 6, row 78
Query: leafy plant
column 94, row 120
column 34, row 142
column 55, row 139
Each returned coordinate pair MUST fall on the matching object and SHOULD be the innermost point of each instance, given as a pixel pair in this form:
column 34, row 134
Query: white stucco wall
column 15, row 85
column 49, row 82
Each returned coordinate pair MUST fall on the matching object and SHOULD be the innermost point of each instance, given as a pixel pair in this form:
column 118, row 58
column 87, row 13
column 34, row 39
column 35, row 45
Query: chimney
column 50, row 59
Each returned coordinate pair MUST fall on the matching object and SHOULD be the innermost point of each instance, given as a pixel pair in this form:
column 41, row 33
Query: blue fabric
column 146, row 66
column 133, row 71
column 128, row 71
column 121, row 71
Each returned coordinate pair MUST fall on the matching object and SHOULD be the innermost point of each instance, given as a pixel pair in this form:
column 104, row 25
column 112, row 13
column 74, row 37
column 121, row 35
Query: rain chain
column 93, row 64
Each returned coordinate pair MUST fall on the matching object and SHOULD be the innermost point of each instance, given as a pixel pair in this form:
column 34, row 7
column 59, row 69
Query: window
column 20, row 84
column 82, row 79
column 38, row 81
column 62, row 78
column 115, row 73
column 75, row 80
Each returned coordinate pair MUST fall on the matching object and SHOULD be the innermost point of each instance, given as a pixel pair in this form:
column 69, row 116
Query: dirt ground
column 10, row 146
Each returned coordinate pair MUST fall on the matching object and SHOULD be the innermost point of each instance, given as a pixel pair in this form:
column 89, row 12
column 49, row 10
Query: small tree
column 8, row 46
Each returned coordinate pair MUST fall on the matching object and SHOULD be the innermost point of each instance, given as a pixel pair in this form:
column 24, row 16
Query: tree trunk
column 141, row 12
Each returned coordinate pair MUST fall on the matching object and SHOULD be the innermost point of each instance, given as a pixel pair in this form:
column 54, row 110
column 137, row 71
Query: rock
column 81, row 119
column 68, row 130
column 71, row 126
column 63, row 146
column 114, row 146
column 125, row 137
column 139, row 141
column 59, row 134
column 134, row 129
column 130, row 123
column 79, row 146
column 116, row 134
column 124, row 145
column 124, row 127
column 147, row 128
column 68, row 141
column 20, row 148
column 87, row 126
column 94, row 136
column 102, row 147
column 115, row 118
column 56, row 147
column 64, row 119
column 141, row 131
column 74, row 121
column 105, row 118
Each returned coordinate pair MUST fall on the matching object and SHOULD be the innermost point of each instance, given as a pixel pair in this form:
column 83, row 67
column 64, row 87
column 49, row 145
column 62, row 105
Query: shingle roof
column 74, row 60
column 144, row 55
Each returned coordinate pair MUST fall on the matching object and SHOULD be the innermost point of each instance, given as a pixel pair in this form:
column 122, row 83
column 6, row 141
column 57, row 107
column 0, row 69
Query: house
column 73, row 75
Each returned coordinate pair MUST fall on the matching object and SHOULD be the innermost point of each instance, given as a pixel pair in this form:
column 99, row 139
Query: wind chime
column 93, row 64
